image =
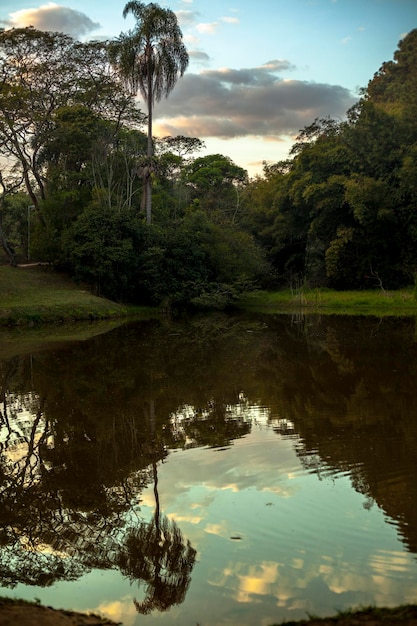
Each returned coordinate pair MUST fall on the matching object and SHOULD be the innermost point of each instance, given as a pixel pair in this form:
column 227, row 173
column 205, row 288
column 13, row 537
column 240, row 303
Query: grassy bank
column 34, row 295
column 327, row 301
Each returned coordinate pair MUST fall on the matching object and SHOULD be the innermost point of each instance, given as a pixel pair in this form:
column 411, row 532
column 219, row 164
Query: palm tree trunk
column 148, row 187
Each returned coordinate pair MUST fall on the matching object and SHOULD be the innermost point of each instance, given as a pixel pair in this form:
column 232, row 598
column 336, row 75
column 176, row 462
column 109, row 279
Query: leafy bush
column 194, row 260
column 103, row 247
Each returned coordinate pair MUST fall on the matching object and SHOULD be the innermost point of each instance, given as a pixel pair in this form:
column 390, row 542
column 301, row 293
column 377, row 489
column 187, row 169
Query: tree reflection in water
column 340, row 386
column 59, row 521
column 157, row 554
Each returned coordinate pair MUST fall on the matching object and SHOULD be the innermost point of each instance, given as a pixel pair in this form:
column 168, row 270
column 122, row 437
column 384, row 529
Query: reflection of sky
column 273, row 541
column 21, row 433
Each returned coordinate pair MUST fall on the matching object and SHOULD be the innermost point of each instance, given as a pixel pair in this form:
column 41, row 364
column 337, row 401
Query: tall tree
column 150, row 58
column 9, row 184
column 40, row 73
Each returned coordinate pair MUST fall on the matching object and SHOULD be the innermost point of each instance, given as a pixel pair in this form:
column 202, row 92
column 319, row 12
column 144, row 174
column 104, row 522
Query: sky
column 259, row 70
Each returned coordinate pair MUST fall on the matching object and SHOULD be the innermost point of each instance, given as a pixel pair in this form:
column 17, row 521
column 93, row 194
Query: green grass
column 370, row 302
column 37, row 295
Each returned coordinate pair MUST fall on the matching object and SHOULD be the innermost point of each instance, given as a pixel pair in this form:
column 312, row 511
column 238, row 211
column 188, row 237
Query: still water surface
column 217, row 470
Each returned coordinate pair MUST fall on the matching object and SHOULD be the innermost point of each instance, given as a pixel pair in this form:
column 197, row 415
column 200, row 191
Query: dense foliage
column 340, row 212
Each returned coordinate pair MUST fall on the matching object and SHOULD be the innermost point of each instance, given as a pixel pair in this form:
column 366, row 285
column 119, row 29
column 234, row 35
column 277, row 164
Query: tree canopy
column 76, row 168
column 341, row 212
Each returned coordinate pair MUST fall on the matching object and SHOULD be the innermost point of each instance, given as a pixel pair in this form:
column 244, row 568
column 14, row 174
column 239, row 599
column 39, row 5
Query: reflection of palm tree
column 156, row 553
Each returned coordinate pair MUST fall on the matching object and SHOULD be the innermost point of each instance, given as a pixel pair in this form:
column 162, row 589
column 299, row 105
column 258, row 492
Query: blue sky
column 259, row 70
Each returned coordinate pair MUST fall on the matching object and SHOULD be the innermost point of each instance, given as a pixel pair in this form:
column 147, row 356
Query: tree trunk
column 5, row 245
column 148, row 193
column 148, row 186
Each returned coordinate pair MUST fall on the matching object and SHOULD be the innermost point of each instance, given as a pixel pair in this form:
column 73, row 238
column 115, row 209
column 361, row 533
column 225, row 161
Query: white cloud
column 191, row 39
column 53, row 17
column 230, row 20
column 207, row 28
column 186, row 17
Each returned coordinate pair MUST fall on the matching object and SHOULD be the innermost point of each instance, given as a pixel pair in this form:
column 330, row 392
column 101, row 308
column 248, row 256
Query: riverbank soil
column 19, row 613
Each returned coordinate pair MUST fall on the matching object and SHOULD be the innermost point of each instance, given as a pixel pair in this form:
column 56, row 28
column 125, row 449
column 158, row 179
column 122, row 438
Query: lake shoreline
column 35, row 294
column 405, row 615
column 32, row 613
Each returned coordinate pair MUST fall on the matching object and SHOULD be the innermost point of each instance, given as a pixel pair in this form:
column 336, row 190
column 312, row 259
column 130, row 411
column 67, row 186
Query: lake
column 218, row 469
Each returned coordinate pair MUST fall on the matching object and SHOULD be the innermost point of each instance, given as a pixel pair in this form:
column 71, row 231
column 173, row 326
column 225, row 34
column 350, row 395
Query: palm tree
column 150, row 58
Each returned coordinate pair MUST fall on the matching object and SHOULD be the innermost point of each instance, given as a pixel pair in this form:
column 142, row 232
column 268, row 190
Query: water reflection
column 86, row 428
column 356, row 409
column 66, row 486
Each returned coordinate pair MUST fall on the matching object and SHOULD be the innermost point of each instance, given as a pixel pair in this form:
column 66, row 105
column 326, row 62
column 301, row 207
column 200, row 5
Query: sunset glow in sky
column 259, row 71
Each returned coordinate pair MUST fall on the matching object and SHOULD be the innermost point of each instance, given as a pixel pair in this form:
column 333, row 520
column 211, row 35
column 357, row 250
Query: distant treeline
column 340, row 212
